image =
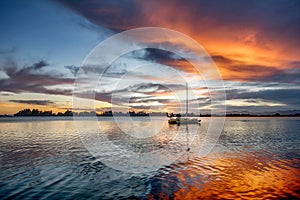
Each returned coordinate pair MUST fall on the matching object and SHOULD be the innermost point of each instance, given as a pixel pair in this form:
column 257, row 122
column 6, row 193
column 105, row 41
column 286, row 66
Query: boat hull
column 184, row 121
column 174, row 121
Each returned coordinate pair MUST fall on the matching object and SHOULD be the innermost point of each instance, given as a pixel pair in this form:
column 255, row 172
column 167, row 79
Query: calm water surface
column 255, row 158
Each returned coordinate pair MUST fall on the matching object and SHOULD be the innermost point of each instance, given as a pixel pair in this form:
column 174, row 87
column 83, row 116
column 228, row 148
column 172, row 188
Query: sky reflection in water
column 254, row 158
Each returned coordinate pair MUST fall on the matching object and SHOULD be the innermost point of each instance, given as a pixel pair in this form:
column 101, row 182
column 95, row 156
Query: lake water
column 255, row 158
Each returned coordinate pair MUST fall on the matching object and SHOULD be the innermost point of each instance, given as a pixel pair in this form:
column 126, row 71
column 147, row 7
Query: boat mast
column 187, row 99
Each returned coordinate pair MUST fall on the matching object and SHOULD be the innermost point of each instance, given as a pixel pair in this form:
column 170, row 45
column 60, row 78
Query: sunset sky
column 255, row 45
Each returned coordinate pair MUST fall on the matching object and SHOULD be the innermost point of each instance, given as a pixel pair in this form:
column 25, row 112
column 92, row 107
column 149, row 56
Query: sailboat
column 177, row 119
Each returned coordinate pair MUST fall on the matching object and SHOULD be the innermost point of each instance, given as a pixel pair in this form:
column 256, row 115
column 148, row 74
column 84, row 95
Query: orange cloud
column 252, row 32
column 247, row 44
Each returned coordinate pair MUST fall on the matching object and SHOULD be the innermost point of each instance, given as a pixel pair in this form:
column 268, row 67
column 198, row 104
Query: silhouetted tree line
column 36, row 112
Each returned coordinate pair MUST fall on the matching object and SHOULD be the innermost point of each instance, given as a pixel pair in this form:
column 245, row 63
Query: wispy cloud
column 33, row 102
column 73, row 69
column 254, row 42
column 267, row 19
column 8, row 51
column 116, row 15
column 32, row 79
column 288, row 97
column 249, row 31
column 236, row 70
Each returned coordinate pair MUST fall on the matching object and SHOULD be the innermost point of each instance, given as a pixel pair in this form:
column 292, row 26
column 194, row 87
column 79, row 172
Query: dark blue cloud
column 33, row 102
column 27, row 79
column 290, row 97
column 274, row 19
column 8, row 51
column 116, row 15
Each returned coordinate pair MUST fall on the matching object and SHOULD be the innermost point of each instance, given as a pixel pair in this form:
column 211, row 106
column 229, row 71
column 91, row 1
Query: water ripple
column 254, row 159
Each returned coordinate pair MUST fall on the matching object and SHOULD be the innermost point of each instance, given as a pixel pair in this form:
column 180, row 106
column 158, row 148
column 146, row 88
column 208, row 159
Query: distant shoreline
column 57, row 116
column 69, row 113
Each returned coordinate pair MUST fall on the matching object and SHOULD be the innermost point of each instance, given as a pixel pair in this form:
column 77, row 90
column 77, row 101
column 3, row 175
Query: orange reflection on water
column 245, row 177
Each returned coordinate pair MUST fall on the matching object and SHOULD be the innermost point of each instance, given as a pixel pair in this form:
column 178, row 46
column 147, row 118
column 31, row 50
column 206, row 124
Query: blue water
column 44, row 158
